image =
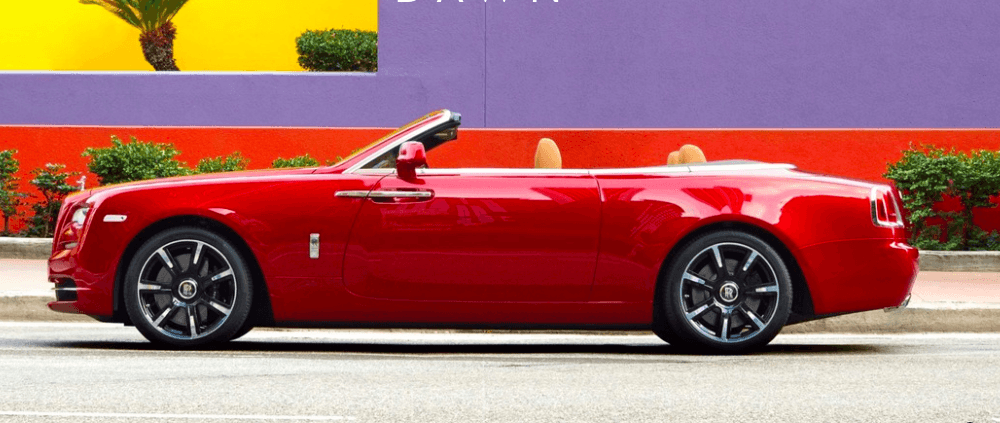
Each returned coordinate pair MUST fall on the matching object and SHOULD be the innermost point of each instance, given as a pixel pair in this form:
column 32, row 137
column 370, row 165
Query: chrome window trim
column 446, row 116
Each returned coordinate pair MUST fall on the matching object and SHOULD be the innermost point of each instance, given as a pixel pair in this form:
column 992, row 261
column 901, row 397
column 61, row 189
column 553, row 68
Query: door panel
column 456, row 237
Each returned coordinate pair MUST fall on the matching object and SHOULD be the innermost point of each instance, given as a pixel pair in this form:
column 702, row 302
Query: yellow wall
column 212, row 35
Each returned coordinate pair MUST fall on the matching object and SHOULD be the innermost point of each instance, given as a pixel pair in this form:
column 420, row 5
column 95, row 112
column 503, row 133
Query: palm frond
column 147, row 15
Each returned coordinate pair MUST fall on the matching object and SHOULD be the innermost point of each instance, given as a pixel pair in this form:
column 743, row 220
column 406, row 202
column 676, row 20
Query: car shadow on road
column 431, row 349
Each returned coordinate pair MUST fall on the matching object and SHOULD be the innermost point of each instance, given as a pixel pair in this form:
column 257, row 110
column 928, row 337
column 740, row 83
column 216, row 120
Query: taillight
column 885, row 209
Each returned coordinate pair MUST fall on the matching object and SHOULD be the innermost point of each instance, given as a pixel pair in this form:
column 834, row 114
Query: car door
column 477, row 236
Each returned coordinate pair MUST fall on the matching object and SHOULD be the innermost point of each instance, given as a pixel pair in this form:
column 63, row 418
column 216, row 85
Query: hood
column 193, row 179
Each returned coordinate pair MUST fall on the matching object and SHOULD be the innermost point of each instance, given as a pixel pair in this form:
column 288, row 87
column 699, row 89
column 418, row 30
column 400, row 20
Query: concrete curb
column 25, row 248
column 930, row 261
column 960, row 261
column 34, row 309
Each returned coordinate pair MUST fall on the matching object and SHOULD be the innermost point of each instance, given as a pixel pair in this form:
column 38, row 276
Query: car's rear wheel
column 724, row 292
column 188, row 287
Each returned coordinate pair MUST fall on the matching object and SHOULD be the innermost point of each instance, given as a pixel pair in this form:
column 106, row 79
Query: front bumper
column 80, row 291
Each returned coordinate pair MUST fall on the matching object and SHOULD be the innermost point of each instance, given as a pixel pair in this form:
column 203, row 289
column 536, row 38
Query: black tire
column 737, row 307
column 243, row 330
column 187, row 287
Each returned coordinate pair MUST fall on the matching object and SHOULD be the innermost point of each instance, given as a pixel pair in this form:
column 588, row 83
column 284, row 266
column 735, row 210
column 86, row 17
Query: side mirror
column 411, row 156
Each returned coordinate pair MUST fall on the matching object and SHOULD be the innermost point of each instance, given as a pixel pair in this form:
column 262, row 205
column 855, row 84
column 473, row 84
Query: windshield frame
column 427, row 124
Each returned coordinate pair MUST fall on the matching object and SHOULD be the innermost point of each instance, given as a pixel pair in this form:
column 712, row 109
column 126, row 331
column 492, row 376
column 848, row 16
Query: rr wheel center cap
column 187, row 289
column 729, row 292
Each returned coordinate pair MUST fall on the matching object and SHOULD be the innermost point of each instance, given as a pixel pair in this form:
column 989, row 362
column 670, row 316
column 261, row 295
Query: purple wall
column 591, row 63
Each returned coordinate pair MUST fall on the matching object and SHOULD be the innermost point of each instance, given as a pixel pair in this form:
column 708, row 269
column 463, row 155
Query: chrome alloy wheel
column 729, row 292
column 186, row 289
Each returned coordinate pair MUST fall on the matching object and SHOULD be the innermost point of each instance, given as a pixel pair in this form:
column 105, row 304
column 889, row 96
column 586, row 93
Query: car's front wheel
column 188, row 287
column 725, row 292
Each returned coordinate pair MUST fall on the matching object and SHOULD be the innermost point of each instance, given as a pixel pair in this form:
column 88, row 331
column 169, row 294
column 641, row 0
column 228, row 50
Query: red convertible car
column 711, row 256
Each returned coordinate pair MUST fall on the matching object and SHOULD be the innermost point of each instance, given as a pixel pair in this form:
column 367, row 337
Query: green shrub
column 135, row 161
column 10, row 198
column 51, row 182
column 234, row 162
column 300, row 161
column 926, row 176
column 338, row 50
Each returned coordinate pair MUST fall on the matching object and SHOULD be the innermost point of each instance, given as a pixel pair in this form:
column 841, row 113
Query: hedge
column 338, row 50
column 926, row 176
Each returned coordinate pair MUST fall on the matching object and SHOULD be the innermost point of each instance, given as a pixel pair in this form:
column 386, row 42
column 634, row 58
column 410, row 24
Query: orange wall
column 861, row 154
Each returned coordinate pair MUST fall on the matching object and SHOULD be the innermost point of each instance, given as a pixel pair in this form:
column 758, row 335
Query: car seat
column 547, row 155
column 674, row 158
column 691, row 154
column 686, row 154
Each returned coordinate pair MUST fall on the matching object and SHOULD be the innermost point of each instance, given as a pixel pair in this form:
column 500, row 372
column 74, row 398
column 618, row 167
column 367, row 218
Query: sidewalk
column 24, row 278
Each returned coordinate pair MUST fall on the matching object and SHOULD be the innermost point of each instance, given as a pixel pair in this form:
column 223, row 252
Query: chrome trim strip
column 401, row 194
column 740, row 167
column 641, row 170
column 594, row 172
column 692, row 169
column 115, row 218
column 375, row 171
column 446, row 116
column 501, row 171
column 351, row 194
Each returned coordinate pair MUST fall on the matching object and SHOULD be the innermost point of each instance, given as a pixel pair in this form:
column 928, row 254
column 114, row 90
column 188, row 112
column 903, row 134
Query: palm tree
column 152, row 17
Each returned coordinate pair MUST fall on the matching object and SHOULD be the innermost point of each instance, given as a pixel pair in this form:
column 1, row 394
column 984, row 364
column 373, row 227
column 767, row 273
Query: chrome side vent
column 65, row 290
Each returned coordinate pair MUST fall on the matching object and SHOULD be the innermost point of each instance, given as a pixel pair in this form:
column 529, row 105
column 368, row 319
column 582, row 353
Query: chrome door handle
column 351, row 194
column 400, row 194
column 384, row 194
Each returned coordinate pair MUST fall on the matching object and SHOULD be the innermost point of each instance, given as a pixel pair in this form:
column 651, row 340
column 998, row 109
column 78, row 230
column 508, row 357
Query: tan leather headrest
column 547, row 155
column 691, row 154
column 674, row 158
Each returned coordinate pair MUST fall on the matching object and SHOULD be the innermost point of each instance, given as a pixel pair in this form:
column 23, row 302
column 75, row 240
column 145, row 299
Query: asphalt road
column 81, row 372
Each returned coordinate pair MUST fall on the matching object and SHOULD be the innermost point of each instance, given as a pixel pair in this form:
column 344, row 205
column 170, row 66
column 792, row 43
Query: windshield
column 387, row 160
column 391, row 135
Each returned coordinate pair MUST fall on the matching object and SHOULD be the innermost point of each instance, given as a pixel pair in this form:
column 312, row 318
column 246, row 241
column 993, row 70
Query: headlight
column 80, row 216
